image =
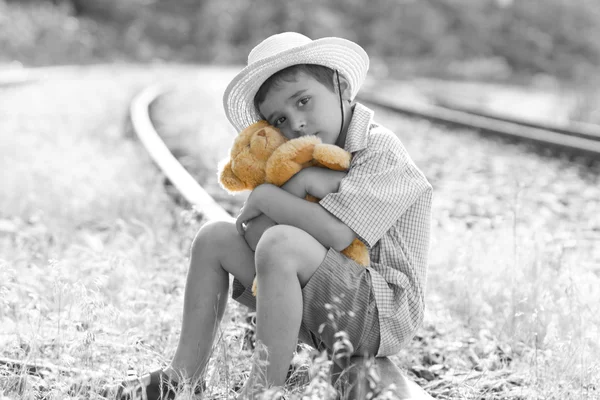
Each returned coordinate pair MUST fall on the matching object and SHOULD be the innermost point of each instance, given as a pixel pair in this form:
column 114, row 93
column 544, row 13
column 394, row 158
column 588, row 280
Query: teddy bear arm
column 304, row 155
column 282, row 165
column 279, row 171
column 290, row 158
column 332, row 157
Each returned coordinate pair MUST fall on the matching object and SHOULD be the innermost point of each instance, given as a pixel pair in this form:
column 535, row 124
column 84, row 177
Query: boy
column 306, row 87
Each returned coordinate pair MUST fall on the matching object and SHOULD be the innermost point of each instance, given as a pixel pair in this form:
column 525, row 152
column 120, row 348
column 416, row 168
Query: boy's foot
column 157, row 385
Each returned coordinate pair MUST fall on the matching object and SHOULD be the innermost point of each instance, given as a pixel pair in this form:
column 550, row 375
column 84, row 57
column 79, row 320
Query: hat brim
column 348, row 58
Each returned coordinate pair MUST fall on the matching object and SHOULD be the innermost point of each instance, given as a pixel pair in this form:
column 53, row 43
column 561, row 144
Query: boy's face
column 303, row 107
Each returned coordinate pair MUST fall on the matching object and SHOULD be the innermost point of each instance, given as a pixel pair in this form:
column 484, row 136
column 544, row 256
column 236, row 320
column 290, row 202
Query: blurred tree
column 556, row 37
column 107, row 10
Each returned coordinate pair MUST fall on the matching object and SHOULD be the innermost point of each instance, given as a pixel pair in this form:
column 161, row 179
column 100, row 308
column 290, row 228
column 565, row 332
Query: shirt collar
column 356, row 137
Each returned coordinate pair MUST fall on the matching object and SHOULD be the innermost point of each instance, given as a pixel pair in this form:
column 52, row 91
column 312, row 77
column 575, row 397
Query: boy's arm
column 319, row 182
column 285, row 208
column 257, row 226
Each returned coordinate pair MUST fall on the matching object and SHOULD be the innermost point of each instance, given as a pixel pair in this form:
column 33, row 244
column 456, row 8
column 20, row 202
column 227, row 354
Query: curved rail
column 12, row 78
column 43, row 368
column 586, row 143
column 174, row 171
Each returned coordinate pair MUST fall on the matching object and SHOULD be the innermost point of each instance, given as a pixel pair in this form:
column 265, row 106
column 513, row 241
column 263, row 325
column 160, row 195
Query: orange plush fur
column 261, row 154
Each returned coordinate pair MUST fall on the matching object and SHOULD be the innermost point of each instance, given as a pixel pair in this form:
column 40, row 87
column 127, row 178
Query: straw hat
column 281, row 51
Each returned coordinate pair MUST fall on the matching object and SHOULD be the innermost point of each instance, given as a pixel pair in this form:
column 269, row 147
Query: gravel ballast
column 515, row 254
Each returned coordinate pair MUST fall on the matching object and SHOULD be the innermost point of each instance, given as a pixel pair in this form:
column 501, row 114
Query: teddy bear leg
column 254, row 287
column 358, row 252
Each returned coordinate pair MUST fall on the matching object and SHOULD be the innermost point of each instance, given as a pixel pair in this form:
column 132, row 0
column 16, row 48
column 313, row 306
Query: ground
column 94, row 252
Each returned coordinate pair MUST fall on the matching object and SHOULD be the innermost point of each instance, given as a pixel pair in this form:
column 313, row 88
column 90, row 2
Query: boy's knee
column 278, row 243
column 211, row 235
column 288, row 251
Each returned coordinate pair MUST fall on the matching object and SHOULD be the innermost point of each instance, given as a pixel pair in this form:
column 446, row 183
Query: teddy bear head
column 245, row 168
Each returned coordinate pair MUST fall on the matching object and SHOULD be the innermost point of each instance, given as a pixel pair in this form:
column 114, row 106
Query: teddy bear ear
column 227, row 178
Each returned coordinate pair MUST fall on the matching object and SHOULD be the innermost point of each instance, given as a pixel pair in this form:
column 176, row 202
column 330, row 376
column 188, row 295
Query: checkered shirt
column 386, row 200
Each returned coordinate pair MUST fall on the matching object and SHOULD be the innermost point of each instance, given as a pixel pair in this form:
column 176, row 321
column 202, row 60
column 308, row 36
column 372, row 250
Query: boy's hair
column 321, row 73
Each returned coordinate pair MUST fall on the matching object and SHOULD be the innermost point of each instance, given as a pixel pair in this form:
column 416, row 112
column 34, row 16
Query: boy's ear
column 344, row 86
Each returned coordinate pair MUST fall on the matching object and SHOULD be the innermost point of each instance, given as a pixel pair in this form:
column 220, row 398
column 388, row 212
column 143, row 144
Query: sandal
column 160, row 387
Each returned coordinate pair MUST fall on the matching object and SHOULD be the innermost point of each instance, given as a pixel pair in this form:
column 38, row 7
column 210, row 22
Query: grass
column 94, row 256
column 514, row 260
column 94, row 252
column 92, row 247
column 514, row 263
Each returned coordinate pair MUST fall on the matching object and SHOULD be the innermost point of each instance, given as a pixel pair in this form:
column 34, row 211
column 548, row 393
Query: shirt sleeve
column 379, row 187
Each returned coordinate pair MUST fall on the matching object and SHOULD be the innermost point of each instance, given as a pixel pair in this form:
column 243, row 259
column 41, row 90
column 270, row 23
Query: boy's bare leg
column 217, row 251
column 286, row 258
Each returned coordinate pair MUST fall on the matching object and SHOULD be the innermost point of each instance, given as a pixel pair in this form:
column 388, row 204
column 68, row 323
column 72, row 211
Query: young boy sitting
column 306, row 87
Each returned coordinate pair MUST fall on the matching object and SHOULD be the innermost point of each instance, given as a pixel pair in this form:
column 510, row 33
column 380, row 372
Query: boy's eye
column 303, row 101
column 279, row 121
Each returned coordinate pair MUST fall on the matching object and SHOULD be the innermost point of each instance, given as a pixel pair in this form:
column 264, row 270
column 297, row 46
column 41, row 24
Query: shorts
column 341, row 282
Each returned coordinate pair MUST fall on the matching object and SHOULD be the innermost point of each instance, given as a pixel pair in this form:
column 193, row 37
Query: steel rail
column 191, row 191
column 579, row 129
column 10, row 78
column 487, row 125
column 44, row 368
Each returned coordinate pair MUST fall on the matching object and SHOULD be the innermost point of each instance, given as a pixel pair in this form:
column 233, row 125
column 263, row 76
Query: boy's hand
column 255, row 229
column 249, row 211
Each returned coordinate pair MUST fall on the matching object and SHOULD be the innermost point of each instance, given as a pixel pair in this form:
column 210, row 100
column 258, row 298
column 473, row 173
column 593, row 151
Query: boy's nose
column 299, row 127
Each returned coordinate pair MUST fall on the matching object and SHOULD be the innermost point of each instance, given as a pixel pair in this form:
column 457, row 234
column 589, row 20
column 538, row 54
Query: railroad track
column 181, row 179
column 578, row 139
column 9, row 79
column 581, row 139
column 196, row 195
column 584, row 141
column 577, row 129
column 588, row 143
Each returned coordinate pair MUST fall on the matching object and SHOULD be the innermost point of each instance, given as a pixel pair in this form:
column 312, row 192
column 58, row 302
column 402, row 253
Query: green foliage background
column 493, row 39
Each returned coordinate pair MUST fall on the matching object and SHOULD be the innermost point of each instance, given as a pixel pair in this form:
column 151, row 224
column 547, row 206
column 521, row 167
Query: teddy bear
column 262, row 154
